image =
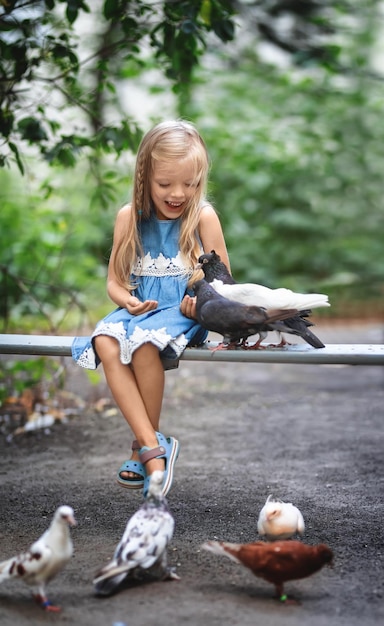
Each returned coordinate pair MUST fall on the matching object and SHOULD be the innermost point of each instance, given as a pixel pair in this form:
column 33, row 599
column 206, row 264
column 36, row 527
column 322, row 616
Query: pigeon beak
column 198, row 266
column 71, row 520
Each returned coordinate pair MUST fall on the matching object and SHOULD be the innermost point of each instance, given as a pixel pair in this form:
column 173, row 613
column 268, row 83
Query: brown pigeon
column 275, row 562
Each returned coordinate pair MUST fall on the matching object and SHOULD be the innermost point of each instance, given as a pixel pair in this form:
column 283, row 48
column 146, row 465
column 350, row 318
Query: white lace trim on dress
column 161, row 266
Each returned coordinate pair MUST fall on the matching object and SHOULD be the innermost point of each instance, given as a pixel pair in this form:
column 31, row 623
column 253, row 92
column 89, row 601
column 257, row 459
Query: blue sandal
column 132, row 466
column 167, row 449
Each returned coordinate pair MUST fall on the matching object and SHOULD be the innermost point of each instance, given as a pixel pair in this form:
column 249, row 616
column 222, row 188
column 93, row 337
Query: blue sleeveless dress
column 159, row 275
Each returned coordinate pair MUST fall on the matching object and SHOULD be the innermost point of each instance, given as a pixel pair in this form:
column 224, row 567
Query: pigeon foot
column 220, row 346
column 45, row 604
column 254, row 346
column 226, row 346
column 289, row 601
column 170, row 574
column 51, row 608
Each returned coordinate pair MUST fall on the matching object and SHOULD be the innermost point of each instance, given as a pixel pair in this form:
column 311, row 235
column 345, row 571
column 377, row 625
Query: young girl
column 158, row 238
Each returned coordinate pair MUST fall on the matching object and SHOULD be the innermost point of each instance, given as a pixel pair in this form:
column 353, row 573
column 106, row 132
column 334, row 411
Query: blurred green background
column 288, row 96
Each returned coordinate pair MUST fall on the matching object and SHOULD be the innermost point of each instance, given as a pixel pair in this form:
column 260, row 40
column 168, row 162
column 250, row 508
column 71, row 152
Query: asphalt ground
column 312, row 435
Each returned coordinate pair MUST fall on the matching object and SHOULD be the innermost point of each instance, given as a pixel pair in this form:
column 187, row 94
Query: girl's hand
column 188, row 307
column 136, row 307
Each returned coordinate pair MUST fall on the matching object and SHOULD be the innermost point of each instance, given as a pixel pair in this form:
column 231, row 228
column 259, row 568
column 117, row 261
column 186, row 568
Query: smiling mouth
column 174, row 205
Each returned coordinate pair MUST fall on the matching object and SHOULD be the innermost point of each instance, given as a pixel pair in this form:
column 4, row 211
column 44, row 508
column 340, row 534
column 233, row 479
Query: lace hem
column 160, row 338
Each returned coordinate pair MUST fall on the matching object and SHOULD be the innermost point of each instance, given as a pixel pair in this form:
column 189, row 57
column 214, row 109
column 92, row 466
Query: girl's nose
column 177, row 191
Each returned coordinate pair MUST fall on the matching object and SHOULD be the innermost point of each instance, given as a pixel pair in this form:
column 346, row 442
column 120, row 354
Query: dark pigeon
column 216, row 273
column 235, row 321
column 214, row 268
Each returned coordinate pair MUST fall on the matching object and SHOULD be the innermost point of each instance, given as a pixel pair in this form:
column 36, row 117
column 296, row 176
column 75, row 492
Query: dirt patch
column 312, row 435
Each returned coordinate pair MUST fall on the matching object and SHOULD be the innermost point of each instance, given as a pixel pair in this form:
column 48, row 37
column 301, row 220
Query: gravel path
column 312, row 435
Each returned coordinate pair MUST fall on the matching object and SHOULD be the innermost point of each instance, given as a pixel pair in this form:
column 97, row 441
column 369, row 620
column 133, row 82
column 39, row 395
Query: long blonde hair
column 167, row 142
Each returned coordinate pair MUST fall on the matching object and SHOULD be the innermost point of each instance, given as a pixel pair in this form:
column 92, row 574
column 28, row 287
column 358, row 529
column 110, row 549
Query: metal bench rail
column 347, row 354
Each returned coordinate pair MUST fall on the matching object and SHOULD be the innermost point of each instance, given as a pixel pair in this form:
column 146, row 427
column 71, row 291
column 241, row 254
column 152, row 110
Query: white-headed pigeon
column 45, row 558
column 279, row 520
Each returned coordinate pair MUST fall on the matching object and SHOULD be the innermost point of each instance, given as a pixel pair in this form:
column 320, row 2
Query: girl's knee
column 146, row 353
column 106, row 346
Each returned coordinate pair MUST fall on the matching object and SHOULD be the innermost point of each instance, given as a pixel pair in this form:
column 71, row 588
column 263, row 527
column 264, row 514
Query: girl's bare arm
column 212, row 238
column 211, row 234
column 118, row 294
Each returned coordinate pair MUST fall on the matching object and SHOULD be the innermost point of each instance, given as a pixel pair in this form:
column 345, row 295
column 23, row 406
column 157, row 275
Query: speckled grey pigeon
column 142, row 551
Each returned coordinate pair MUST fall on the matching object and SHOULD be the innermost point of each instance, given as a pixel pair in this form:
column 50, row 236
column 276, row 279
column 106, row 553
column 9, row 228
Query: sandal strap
column 152, row 453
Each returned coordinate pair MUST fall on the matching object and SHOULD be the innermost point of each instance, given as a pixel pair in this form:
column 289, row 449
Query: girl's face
column 172, row 187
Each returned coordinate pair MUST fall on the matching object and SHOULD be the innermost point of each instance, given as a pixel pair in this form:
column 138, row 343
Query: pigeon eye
column 205, row 260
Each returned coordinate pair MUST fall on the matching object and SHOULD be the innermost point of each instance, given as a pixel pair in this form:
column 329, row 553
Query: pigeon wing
column 300, row 522
column 30, row 566
column 143, row 544
column 259, row 295
column 147, row 539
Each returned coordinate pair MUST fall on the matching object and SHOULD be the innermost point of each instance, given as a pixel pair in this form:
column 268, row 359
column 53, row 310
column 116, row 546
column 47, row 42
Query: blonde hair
column 166, row 142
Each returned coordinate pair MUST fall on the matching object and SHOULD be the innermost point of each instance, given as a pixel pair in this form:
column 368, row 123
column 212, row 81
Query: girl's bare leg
column 138, row 391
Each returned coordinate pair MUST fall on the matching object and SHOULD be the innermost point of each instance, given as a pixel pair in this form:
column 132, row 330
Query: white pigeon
column 281, row 298
column 279, row 520
column 142, row 550
column 45, row 558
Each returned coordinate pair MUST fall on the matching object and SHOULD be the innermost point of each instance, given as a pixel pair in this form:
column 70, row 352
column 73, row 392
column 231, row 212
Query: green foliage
column 17, row 375
column 44, row 71
column 296, row 154
column 297, row 176
column 53, row 250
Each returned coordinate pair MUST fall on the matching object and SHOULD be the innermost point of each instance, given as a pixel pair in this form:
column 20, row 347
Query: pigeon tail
column 298, row 326
column 311, row 338
column 106, row 582
column 6, row 569
column 223, row 548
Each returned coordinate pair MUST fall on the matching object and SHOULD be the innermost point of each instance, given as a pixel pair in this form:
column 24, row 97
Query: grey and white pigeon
column 217, row 274
column 142, row 550
column 45, row 558
column 235, row 321
column 279, row 520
